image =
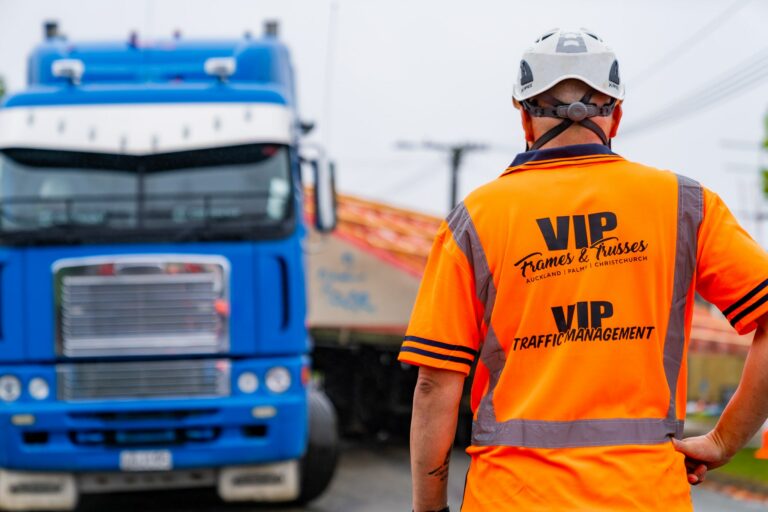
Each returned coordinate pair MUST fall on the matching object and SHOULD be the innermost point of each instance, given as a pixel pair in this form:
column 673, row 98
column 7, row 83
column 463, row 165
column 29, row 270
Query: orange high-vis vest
column 571, row 279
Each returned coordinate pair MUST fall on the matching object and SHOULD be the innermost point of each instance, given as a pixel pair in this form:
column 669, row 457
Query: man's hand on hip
column 741, row 419
column 702, row 453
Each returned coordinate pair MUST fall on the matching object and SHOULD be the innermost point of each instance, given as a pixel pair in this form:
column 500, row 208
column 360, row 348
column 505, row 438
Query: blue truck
column 152, row 288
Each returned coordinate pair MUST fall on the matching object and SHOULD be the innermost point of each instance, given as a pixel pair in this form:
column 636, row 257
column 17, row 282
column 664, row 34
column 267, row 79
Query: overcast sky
column 443, row 70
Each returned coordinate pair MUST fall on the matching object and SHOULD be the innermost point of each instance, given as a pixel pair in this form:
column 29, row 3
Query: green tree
column 764, row 170
column 2, row 87
column 765, row 140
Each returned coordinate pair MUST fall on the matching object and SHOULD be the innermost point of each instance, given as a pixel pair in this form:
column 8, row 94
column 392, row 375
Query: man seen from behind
column 569, row 282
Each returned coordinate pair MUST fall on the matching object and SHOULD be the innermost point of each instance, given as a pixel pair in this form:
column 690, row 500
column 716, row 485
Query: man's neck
column 558, row 144
column 574, row 135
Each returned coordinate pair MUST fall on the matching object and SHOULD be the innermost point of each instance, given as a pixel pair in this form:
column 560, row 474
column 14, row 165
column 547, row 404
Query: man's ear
column 527, row 121
column 617, row 113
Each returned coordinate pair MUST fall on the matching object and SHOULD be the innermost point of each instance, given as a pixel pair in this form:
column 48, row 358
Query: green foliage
column 764, row 171
column 745, row 466
column 2, row 87
column 765, row 140
column 764, row 175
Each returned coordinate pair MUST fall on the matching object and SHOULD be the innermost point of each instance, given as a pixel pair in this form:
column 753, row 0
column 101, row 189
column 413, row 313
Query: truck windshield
column 240, row 192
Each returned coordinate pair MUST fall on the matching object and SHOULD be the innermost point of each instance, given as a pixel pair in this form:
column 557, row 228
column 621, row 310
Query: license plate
column 146, row 460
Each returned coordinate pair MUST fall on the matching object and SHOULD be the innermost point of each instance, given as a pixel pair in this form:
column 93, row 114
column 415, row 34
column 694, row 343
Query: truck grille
column 125, row 306
column 153, row 379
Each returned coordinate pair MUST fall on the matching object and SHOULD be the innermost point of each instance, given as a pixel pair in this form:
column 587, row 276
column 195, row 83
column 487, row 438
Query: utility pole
column 758, row 170
column 456, row 153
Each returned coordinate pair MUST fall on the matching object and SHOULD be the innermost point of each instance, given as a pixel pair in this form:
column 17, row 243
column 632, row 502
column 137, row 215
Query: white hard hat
column 562, row 54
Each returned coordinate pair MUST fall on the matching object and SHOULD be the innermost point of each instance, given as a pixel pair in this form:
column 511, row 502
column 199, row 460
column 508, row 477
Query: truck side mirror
column 325, row 195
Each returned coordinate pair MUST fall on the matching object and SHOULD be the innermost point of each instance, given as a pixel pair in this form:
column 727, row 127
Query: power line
column 456, row 153
column 742, row 145
column 688, row 43
column 686, row 108
column 429, row 170
column 412, row 179
column 734, row 78
column 737, row 79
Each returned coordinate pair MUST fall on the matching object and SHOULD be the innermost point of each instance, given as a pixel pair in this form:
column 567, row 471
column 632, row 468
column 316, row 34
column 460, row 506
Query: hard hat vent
column 571, row 42
column 613, row 76
column 545, row 36
column 526, row 75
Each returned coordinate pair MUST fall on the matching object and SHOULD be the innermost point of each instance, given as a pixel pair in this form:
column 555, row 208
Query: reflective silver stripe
column 576, row 433
column 690, row 211
column 488, row 431
column 491, row 353
column 466, row 237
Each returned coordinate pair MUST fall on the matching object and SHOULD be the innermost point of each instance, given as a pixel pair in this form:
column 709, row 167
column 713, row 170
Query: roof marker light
column 271, row 28
column 51, row 29
column 221, row 67
column 71, row 69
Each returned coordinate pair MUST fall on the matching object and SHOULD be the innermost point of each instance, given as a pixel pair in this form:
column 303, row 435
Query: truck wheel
column 319, row 463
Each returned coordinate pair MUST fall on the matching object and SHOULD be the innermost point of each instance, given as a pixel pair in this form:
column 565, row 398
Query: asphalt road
column 370, row 478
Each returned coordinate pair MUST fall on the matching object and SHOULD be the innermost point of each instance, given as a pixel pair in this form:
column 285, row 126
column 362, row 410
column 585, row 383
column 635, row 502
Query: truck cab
column 152, row 288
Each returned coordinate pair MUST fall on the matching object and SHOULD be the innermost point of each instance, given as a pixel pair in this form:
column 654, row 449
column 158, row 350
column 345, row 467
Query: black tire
column 319, row 463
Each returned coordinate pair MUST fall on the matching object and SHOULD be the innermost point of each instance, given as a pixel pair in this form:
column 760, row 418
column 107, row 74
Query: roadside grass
column 744, row 466
column 702, row 417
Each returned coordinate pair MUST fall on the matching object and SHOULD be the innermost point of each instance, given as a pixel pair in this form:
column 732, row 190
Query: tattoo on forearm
column 441, row 471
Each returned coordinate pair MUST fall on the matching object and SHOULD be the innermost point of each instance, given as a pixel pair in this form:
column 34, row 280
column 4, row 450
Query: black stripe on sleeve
column 749, row 309
column 435, row 355
column 736, row 305
column 439, row 344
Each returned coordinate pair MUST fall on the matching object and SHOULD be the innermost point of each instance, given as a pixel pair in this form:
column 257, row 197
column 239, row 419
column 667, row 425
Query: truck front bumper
column 32, row 490
column 158, row 434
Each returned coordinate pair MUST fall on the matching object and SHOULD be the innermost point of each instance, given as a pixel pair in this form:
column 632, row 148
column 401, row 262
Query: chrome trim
column 107, row 482
column 146, row 305
column 197, row 378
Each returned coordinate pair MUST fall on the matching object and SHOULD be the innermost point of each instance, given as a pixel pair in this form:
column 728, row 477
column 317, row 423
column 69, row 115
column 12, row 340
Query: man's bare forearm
column 741, row 419
column 748, row 408
column 433, row 427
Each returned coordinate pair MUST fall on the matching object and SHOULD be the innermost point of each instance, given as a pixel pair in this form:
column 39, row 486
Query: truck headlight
column 10, row 388
column 247, row 382
column 38, row 388
column 278, row 379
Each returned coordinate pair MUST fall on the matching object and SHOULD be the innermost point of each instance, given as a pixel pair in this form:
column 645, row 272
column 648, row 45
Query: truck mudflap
column 276, row 482
column 300, row 480
column 26, row 490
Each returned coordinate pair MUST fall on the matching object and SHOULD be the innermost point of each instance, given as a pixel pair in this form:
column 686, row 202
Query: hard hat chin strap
column 578, row 112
